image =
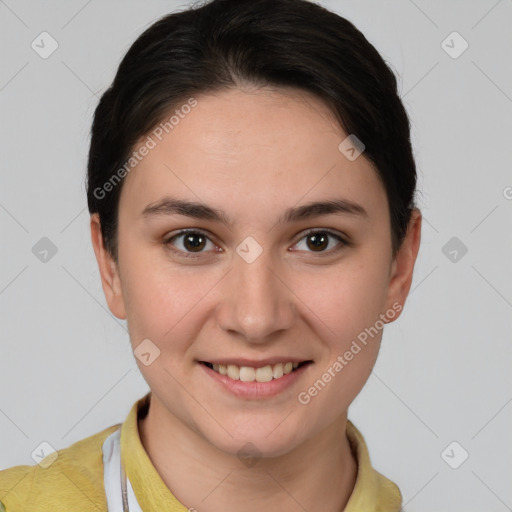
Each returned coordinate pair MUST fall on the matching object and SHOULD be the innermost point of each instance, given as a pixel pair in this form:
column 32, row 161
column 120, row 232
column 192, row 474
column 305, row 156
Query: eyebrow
column 173, row 206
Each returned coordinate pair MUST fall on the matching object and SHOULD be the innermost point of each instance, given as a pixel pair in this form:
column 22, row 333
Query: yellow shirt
column 74, row 481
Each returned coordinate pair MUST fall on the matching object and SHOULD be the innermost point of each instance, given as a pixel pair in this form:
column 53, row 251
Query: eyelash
column 342, row 242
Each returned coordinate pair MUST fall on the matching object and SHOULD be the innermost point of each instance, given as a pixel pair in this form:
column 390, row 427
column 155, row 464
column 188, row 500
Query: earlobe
column 403, row 264
column 109, row 271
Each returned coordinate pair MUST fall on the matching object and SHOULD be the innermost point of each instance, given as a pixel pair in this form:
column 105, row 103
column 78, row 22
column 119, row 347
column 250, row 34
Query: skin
column 254, row 153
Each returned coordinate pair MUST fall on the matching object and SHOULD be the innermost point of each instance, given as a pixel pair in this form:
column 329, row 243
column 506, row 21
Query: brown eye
column 194, row 242
column 321, row 241
column 317, row 241
column 186, row 243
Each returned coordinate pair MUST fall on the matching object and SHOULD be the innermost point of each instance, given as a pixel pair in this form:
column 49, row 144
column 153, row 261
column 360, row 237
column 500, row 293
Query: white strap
column 112, row 475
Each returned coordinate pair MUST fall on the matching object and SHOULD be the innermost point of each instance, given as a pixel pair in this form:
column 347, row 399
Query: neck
column 319, row 474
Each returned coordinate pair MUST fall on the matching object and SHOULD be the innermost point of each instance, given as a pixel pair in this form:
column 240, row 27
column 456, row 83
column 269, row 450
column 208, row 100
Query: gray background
column 444, row 373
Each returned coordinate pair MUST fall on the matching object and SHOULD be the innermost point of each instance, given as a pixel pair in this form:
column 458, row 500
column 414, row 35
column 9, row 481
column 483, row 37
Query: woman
column 251, row 188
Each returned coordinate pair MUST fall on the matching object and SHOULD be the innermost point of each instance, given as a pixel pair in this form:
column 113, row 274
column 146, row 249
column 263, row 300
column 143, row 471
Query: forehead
column 256, row 148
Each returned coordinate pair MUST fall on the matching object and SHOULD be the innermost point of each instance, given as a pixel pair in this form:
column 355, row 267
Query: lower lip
column 255, row 389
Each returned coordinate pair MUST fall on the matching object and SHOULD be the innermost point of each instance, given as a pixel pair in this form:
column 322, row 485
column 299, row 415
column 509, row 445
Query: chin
column 265, row 441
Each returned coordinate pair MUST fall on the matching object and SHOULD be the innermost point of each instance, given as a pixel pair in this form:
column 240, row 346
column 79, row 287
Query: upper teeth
column 249, row 374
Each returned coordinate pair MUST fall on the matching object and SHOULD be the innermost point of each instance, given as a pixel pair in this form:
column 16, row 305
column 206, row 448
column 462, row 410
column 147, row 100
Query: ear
column 403, row 265
column 110, row 279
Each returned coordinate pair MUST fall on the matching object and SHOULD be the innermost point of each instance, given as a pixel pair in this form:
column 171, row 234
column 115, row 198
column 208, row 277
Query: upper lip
column 253, row 363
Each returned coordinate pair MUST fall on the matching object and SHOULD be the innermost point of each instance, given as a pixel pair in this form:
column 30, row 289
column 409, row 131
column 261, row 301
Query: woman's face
column 248, row 285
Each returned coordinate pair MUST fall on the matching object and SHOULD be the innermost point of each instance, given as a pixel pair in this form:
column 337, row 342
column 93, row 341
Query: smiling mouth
column 249, row 374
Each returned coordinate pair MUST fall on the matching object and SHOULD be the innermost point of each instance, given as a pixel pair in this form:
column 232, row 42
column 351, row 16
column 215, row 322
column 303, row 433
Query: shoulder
column 75, row 477
column 372, row 491
column 389, row 495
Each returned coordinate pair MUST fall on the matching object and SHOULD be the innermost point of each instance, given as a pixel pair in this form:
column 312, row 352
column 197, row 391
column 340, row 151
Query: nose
column 256, row 301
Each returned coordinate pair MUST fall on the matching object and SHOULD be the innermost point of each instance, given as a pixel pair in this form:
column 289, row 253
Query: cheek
column 162, row 301
column 345, row 306
column 346, row 313
column 345, row 300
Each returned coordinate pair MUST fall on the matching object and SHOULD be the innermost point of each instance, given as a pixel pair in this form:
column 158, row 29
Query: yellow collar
column 372, row 492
